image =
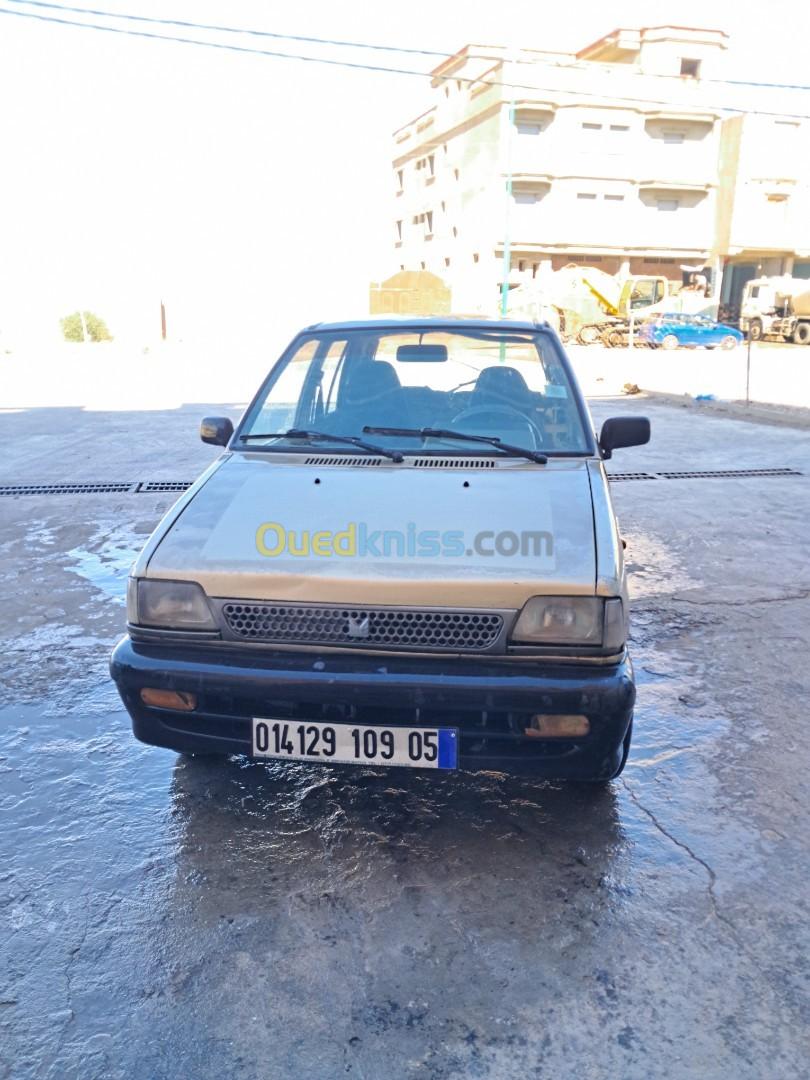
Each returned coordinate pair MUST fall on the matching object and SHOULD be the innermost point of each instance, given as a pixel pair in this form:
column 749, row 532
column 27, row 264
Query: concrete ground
column 167, row 918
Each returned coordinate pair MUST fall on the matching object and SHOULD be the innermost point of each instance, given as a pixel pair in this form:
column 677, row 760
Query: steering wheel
column 502, row 410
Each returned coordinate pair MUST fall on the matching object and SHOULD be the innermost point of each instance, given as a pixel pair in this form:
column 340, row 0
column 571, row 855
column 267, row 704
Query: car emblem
column 358, row 626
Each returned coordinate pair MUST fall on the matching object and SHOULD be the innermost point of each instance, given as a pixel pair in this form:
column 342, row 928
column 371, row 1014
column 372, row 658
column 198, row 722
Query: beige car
column 405, row 556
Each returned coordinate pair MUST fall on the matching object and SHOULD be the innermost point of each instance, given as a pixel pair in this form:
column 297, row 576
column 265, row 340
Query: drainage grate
column 719, row 473
column 631, row 476
column 164, row 485
column 65, row 489
column 703, row 474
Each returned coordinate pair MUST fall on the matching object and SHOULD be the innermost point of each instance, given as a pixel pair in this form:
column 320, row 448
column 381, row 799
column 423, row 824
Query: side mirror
column 621, row 431
column 216, row 430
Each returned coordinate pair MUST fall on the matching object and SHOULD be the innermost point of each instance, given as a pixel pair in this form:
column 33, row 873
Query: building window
column 446, row 262
column 521, row 265
column 535, row 268
column 690, row 68
column 455, row 231
column 444, row 206
column 613, row 198
column 431, row 163
column 591, row 127
column 399, row 230
column 529, row 129
column 674, row 137
column 525, row 196
column 475, row 257
column 777, row 196
column 586, row 195
column 421, row 266
column 667, row 205
column 455, row 173
column 619, row 127
column 425, row 219
column 400, row 178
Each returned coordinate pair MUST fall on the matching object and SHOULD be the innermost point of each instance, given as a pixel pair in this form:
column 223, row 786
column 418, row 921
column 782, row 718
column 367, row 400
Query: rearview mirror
column 621, row 431
column 422, row 354
column 216, row 430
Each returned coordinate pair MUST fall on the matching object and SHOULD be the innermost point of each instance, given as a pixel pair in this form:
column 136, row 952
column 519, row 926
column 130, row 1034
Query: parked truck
column 586, row 304
column 777, row 308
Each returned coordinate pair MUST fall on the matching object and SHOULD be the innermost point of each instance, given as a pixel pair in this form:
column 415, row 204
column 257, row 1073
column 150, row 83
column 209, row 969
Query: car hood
column 262, row 527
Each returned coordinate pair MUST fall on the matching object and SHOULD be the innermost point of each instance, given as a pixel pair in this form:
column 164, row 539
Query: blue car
column 670, row 331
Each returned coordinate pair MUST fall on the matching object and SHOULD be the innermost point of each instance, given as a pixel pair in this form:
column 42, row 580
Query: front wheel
column 669, row 342
column 728, row 342
column 801, row 335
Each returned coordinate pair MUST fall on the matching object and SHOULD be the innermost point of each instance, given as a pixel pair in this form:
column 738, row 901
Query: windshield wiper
column 315, row 436
column 446, row 433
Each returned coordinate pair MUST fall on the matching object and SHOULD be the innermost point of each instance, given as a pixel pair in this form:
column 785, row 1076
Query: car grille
column 382, row 628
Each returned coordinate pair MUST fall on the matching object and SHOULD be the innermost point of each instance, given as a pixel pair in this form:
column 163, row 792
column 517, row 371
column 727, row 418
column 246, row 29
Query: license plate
column 356, row 744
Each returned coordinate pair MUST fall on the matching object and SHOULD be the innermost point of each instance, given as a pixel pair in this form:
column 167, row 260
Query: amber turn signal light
column 169, row 699
column 558, row 727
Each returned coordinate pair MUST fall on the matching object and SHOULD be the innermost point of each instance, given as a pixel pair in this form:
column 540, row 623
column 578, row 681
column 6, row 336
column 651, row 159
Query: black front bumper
column 490, row 702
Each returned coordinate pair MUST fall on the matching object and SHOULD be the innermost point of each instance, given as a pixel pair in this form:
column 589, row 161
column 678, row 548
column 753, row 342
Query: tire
column 669, row 341
column 615, row 339
column 801, row 335
column 728, row 342
column 755, row 330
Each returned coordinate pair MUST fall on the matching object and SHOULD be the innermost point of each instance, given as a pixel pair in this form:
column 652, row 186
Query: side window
column 279, row 410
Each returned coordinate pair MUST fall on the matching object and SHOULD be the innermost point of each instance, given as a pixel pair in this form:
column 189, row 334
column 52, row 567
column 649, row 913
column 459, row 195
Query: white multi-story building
column 610, row 157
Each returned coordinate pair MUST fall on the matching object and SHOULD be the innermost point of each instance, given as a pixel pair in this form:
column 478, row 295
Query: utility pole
column 507, row 254
column 748, row 370
column 83, row 321
column 162, row 321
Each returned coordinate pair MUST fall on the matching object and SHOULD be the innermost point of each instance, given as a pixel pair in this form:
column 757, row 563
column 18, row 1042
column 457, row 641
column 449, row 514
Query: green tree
column 96, row 327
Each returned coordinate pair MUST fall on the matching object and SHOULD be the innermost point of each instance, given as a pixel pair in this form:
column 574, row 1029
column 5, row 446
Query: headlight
column 178, row 604
column 561, row 620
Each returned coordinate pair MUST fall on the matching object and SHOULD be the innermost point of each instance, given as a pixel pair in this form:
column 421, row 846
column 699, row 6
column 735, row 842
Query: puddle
column 106, row 566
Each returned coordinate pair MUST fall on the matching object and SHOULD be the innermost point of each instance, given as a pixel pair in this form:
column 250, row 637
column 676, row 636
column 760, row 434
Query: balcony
column 626, row 225
column 552, row 155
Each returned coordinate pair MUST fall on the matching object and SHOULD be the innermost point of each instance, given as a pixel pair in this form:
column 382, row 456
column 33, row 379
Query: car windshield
column 510, row 385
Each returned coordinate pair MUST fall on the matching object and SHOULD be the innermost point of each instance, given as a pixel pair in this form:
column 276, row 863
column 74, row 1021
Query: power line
column 442, row 54
column 356, row 66
column 228, row 29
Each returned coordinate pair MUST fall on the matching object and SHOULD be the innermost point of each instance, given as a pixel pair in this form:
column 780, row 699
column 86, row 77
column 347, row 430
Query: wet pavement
column 162, row 917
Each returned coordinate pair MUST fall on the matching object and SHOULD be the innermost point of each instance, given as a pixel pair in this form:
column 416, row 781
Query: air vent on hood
column 354, row 462
column 453, row 463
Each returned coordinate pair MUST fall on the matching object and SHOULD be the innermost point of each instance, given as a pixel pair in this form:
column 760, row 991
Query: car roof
column 431, row 322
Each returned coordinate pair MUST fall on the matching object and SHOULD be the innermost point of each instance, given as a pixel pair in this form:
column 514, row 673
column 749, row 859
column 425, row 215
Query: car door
column 690, row 331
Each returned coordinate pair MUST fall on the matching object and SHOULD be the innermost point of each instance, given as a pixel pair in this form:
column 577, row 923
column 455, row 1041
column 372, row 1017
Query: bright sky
column 251, row 193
